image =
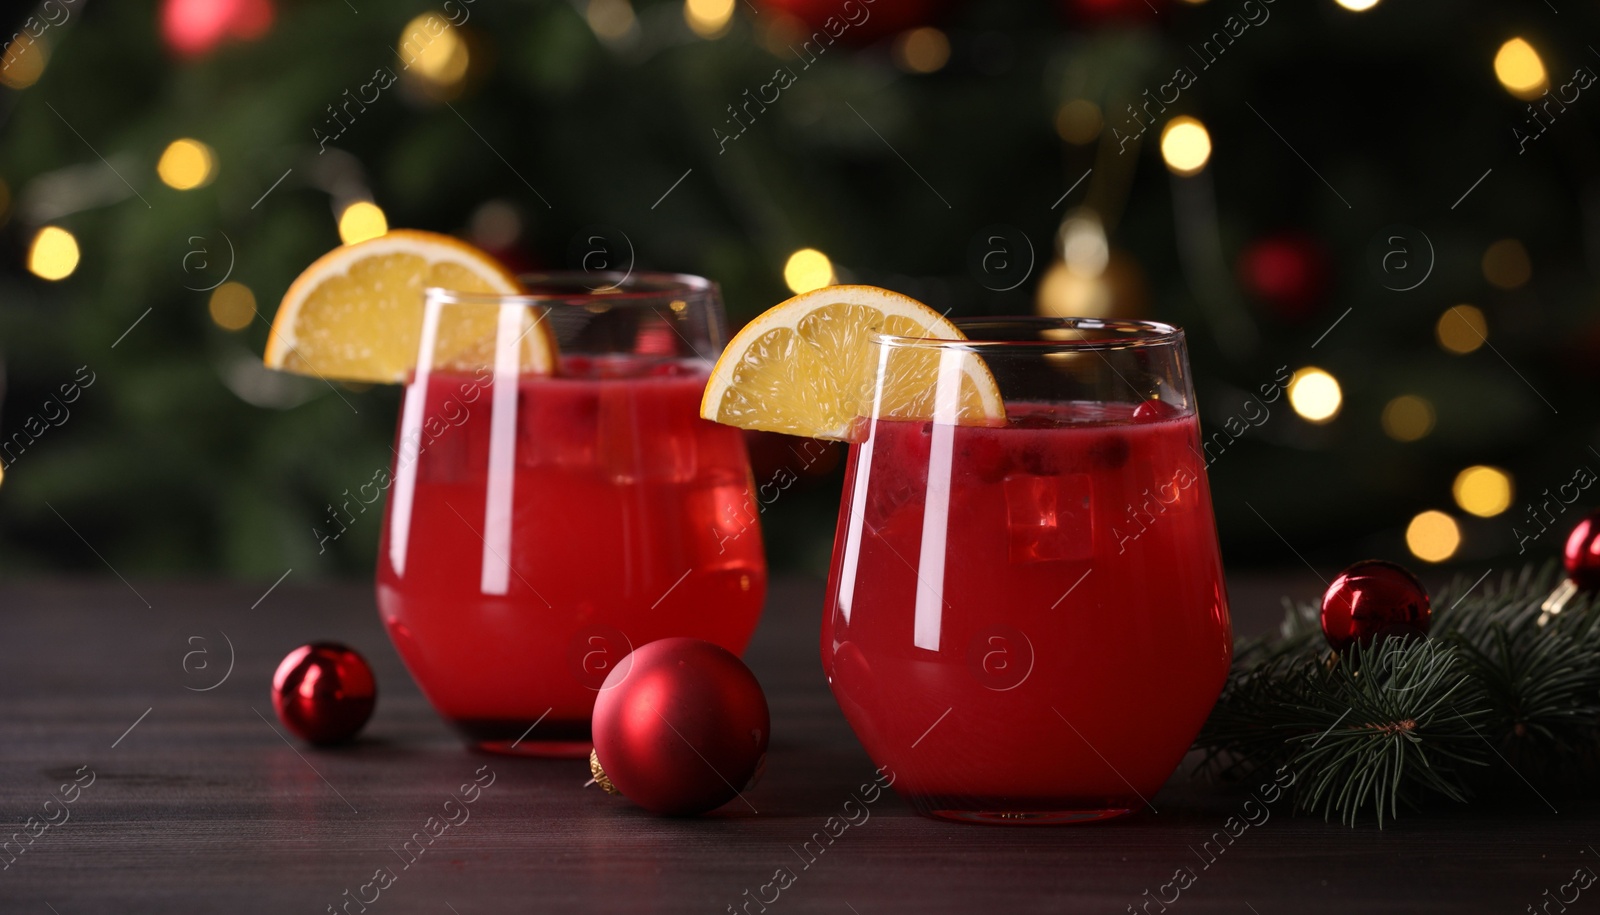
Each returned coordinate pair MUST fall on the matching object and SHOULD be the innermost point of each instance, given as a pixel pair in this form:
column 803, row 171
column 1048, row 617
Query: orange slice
column 356, row 313
column 808, row 367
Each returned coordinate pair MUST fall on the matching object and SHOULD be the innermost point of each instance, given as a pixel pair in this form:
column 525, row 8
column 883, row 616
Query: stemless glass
column 541, row 526
column 1026, row 620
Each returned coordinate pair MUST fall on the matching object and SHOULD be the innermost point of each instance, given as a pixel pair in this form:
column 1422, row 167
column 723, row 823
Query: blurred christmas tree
column 1398, row 195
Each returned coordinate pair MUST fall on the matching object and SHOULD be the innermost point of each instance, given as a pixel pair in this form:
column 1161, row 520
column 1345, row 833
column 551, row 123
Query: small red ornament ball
column 680, row 727
column 1582, row 555
column 1373, row 600
column 324, row 692
column 1289, row 273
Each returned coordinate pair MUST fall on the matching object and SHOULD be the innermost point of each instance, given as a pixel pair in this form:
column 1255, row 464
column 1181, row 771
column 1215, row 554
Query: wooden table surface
column 199, row 805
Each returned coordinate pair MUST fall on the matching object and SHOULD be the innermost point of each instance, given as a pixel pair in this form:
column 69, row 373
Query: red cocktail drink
column 541, row 527
column 1027, row 621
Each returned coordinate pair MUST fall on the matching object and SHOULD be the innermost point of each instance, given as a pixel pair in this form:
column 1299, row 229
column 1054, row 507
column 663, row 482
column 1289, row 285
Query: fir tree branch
column 1415, row 719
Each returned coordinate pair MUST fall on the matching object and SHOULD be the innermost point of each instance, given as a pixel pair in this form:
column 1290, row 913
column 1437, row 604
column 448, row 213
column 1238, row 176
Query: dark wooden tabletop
column 197, row 803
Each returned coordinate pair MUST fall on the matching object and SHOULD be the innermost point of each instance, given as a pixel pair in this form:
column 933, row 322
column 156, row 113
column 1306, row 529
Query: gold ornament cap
column 599, row 773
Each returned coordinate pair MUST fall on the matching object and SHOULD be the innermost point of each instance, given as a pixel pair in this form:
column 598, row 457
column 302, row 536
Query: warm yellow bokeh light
column 1462, row 329
column 708, row 18
column 27, row 58
column 1357, row 6
column 1079, row 121
column 1315, row 395
column 360, row 221
column 434, row 51
column 808, row 269
column 53, row 254
column 1185, row 145
column 1483, row 491
column 611, row 20
column 922, row 50
column 1433, row 536
column 186, row 164
column 232, row 306
column 1519, row 69
column 1506, row 264
column 1408, row 418
column 1067, row 293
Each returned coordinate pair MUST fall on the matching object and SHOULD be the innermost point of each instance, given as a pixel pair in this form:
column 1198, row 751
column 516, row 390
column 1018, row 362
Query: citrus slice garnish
column 808, row 367
column 356, row 313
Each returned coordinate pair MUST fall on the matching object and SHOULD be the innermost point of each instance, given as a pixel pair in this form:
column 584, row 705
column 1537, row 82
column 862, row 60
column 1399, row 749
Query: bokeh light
column 1462, row 329
column 611, row 20
column 53, row 254
column 360, row 221
column 1506, row 264
column 440, row 59
column 1519, row 69
column 807, row 269
column 922, row 50
column 1408, row 418
column 1079, row 121
column 1433, row 536
column 232, row 306
column 1482, row 490
column 1185, row 145
column 27, row 57
column 186, row 164
column 708, row 18
column 1314, row 394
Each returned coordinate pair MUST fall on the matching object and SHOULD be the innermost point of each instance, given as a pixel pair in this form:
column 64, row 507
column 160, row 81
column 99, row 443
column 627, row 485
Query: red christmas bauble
column 324, row 692
column 1582, row 554
column 1287, row 272
column 866, row 24
column 1373, row 600
column 196, row 26
column 680, row 727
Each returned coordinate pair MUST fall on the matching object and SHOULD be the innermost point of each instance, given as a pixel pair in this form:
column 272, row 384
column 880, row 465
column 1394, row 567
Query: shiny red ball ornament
column 1289, row 273
column 1582, row 555
column 1373, row 600
column 680, row 727
column 324, row 692
column 1581, row 559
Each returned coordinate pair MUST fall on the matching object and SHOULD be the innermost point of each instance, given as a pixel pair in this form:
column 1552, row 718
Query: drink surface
column 540, row 529
column 1028, row 618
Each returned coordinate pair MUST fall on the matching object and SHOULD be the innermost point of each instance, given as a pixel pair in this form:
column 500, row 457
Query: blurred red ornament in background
column 194, row 27
column 1287, row 272
column 882, row 18
column 1098, row 12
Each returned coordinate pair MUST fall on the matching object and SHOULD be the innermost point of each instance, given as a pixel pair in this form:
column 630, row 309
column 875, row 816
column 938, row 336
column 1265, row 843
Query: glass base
column 549, row 739
column 1027, row 817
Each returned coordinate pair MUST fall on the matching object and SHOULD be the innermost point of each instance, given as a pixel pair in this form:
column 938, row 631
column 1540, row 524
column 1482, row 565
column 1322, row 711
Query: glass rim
column 582, row 288
column 1140, row 335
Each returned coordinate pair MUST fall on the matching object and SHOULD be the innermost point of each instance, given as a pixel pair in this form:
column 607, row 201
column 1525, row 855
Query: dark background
column 1354, row 154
